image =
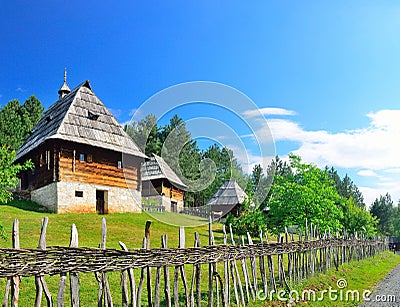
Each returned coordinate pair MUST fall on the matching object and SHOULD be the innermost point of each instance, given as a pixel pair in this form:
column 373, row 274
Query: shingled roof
column 229, row 194
column 80, row 117
column 157, row 168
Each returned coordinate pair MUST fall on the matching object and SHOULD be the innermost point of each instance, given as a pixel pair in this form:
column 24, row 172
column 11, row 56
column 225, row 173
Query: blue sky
column 324, row 74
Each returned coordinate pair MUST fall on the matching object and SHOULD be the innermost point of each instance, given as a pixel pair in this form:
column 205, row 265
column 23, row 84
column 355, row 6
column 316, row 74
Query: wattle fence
column 233, row 273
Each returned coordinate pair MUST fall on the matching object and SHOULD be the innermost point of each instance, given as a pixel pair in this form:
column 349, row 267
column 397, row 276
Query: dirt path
column 387, row 293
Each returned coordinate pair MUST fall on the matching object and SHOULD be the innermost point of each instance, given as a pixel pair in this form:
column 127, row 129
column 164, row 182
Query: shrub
column 248, row 220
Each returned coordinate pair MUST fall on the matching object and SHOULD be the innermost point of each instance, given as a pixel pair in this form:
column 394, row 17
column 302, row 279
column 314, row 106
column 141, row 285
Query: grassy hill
column 125, row 227
column 129, row 228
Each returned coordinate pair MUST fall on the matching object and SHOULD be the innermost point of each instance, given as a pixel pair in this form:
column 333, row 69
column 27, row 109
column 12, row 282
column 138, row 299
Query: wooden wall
column 162, row 186
column 46, row 167
column 99, row 167
column 61, row 162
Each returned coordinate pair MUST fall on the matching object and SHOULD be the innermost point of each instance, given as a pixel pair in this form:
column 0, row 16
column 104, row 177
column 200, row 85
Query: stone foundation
column 46, row 196
column 62, row 197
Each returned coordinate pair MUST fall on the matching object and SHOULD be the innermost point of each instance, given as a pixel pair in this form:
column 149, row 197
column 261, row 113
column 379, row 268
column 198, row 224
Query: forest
column 288, row 193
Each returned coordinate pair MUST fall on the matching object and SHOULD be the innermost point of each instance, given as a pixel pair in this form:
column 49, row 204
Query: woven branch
column 56, row 260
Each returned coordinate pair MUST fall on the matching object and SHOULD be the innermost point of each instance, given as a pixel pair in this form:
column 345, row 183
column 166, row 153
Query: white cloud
column 268, row 111
column 367, row 173
column 20, row 89
column 373, row 149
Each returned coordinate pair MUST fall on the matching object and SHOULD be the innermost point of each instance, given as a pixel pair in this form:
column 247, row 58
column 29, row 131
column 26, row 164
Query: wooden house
column 161, row 184
column 228, row 198
column 84, row 161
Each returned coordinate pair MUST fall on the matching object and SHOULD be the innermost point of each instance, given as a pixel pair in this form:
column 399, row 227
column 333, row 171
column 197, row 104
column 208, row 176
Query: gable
column 81, row 117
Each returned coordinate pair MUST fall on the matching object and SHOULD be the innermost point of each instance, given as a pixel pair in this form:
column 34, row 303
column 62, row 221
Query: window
column 48, row 159
column 41, row 160
column 82, row 157
column 119, row 164
column 78, row 193
column 89, row 158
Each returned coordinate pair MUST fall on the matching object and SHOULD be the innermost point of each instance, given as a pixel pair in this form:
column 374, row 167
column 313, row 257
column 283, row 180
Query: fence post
column 73, row 276
column 132, row 283
column 167, row 292
column 104, row 288
column 235, row 270
column 41, row 285
column 16, row 280
column 210, row 266
column 149, row 290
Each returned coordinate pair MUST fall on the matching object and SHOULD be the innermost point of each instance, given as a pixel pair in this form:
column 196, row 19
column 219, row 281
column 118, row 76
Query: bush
column 248, row 221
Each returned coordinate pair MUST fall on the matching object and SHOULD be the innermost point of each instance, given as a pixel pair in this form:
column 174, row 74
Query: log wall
column 61, row 162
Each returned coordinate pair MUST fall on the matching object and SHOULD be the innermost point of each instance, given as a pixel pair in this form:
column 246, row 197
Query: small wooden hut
column 161, row 185
column 228, row 198
column 84, row 161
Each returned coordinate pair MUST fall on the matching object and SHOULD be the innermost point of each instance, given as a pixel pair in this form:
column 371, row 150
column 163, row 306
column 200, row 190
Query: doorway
column 174, row 206
column 101, row 202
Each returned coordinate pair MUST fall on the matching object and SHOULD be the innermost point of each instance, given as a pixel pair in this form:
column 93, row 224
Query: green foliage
column 174, row 143
column 247, row 221
column 396, row 221
column 307, row 194
column 16, row 121
column 145, row 134
column 346, row 188
column 9, row 171
column 382, row 208
column 356, row 219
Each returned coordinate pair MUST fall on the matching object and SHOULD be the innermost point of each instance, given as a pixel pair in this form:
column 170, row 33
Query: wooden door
column 100, row 202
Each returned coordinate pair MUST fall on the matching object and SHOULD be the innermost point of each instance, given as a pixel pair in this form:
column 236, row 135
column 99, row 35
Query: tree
column 258, row 186
column 9, row 171
column 383, row 209
column 247, row 221
column 356, row 219
column 346, row 187
column 306, row 195
column 16, row 121
column 34, row 110
column 396, row 220
column 145, row 133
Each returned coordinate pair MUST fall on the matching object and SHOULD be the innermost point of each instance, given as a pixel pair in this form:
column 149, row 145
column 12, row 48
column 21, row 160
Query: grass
column 359, row 275
column 129, row 228
column 125, row 227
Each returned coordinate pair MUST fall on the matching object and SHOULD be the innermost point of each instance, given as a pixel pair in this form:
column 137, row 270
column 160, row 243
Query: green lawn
column 359, row 276
column 125, row 227
column 129, row 228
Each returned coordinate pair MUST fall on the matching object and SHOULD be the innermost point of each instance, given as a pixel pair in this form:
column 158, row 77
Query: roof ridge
column 69, row 119
column 75, row 91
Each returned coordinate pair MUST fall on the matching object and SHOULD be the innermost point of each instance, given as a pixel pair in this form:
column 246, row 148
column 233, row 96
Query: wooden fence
column 234, row 273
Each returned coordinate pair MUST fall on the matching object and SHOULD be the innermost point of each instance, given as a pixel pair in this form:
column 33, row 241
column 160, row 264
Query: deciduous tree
column 307, row 194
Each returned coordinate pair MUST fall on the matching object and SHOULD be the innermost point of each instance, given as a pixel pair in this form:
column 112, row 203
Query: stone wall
column 46, row 196
column 61, row 197
column 117, row 199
